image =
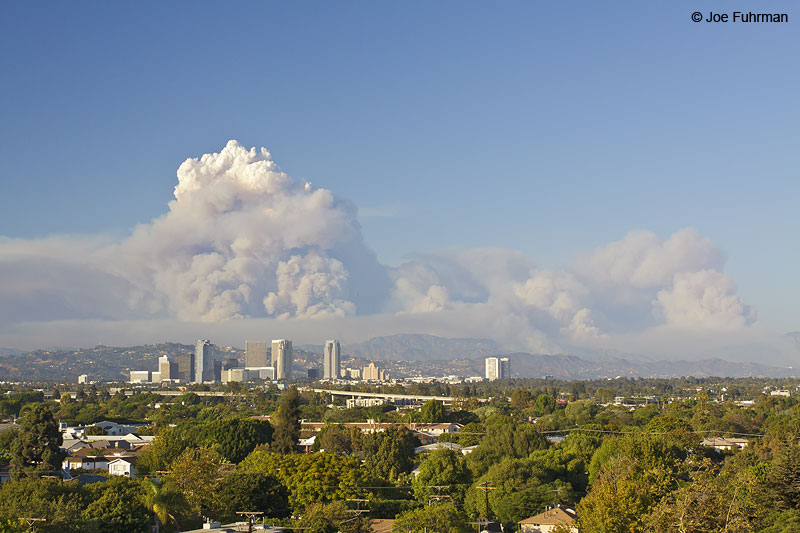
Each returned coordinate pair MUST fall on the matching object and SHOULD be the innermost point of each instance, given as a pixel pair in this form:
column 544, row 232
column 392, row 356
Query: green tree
column 785, row 474
column 251, row 492
column 471, row 434
column 389, row 454
column 503, row 439
column 442, row 518
column 630, row 476
column 59, row 502
column 165, row 504
column 523, row 487
column 196, row 473
column 521, row 399
column 310, row 478
column 287, row 422
column 235, row 438
column 544, row 405
column 36, row 449
column 7, row 437
column 443, row 468
column 166, row 447
column 432, row 411
column 333, row 517
column 116, row 505
column 334, row 438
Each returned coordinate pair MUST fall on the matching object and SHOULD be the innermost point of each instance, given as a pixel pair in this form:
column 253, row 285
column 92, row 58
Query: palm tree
column 162, row 502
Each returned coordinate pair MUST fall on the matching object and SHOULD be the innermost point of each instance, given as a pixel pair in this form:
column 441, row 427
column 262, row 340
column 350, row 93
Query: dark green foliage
column 334, row 439
column 59, row 502
column 35, row 451
column 389, row 454
column 442, row 518
column 446, row 469
column 504, row 438
column 471, row 434
column 544, row 405
column 432, row 411
column 287, row 422
column 462, row 417
column 332, row 518
column 251, row 492
column 167, row 446
column 310, row 478
column 785, row 522
column 7, row 438
column 785, row 474
column 523, row 487
column 12, row 404
column 116, row 505
column 235, row 438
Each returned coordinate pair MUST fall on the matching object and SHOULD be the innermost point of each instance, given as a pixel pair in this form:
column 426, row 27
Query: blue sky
column 551, row 129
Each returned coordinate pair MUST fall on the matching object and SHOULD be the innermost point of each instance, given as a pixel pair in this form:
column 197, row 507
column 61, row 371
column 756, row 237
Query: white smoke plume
column 242, row 239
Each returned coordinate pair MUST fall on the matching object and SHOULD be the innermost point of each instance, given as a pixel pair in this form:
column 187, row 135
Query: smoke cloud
column 243, row 240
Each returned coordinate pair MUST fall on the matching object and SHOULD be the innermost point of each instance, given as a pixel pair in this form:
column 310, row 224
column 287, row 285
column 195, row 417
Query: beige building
column 331, row 358
column 548, row 521
column 282, row 358
column 372, row 373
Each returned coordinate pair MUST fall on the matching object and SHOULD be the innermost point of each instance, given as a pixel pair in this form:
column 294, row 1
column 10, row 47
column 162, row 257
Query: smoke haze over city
column 461, row 183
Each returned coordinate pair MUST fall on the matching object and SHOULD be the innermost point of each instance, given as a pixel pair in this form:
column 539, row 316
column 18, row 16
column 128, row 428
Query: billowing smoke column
column 242, row 238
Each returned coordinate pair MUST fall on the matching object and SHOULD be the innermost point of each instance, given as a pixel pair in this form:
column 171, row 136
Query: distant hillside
column 400, row 355
column 573, row 367
column 101, row 363
column 417, row 347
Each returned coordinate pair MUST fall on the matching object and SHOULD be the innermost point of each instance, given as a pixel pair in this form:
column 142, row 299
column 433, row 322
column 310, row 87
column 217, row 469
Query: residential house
column 123, row 466
column 725, row 444
column 548, row 521
column 84, row 461
column 437, row 446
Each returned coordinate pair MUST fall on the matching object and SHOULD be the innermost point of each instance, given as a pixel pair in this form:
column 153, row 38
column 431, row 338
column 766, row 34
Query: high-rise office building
column 168, row 369
column 255, row 354
column 505, row 368
column 185, row 364
column 282, row 358
column 331, row 357
column 497, row 368
column 221, row 366
column 203, row 361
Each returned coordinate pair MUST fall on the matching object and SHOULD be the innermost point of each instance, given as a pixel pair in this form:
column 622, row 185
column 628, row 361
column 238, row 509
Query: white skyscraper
column 203, row 361
column 282, row 358
column 497, row 368
column 331, row 357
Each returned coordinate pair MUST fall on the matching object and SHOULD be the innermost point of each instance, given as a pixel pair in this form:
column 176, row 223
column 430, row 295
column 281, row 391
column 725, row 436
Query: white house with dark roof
column 123, row 466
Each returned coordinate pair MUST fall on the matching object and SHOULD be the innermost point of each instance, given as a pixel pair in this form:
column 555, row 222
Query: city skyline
column 609, row 182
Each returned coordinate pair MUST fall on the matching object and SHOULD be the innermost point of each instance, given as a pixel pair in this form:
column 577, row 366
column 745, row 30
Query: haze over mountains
column 402, row 355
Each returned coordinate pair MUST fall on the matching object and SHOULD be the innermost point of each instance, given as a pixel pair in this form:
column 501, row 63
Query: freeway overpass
column 447, row 400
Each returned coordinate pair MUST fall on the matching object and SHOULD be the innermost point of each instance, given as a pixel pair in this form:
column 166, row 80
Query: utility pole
column 438, row 496
column 32, row 521
column 486, row 488
column 358, row 510
column 250, row 515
